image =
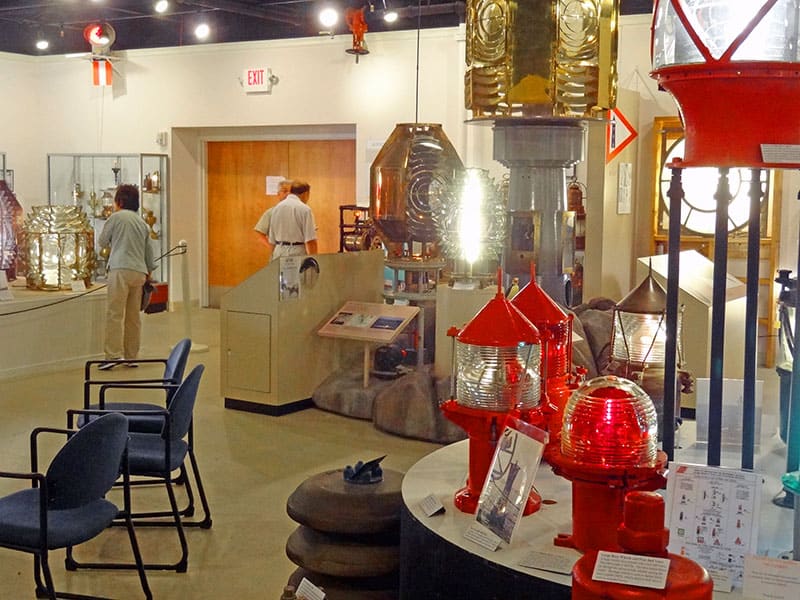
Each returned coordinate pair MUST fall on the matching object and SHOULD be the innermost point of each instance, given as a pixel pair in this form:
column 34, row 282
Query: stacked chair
column 153, row 457
column 112, row 442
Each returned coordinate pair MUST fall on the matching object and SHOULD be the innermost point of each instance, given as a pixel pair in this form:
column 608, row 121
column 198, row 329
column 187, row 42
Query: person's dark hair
column 300, row 187
column 127, row 197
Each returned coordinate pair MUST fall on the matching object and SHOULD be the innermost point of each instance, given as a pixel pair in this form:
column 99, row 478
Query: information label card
column 631, row 569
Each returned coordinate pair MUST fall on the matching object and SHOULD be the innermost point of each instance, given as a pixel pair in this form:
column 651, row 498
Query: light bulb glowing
column 470, row 223
column 42, row 44
column 390, row 16
column 202, row 31
column 328, row 17
column 161, row 6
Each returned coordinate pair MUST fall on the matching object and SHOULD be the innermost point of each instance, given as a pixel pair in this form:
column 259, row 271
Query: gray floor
column 250, row 465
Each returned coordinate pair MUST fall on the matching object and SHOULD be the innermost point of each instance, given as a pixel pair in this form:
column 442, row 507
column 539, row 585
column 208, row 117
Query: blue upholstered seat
column 67, row 504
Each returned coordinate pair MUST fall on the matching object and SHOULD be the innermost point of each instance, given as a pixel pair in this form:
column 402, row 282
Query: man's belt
column 289, row 243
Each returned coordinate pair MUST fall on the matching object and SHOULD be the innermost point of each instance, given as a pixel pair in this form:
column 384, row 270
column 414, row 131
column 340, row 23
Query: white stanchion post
column 186, row 299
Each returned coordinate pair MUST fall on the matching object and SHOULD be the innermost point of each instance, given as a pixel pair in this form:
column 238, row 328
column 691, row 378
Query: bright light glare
column 328, row 17
column 161, row 6
column 470, row 222
column 202, row 31
column 390, row 16
column 42, row 44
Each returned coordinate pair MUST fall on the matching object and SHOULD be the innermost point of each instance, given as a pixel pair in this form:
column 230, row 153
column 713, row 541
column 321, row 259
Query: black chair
column 174, row 368
column 155, row 456
column 66, row 506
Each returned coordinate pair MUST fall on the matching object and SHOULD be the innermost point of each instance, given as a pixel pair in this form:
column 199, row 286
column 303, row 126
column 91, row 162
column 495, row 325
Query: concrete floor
column 250, row 464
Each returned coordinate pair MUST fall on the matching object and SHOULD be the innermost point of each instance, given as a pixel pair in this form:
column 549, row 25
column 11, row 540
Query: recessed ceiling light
column 202, row 31
column 161, row 6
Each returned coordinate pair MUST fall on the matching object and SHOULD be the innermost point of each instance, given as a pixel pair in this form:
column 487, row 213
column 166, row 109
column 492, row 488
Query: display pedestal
column 48, row 331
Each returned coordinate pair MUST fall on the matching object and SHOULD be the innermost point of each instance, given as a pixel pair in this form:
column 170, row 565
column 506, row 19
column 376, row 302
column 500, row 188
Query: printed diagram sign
column 712, row 515
column 619, row 134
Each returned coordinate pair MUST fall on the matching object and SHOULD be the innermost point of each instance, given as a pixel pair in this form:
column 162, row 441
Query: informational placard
column 290, row 277
column 771, row 578
column 712, row 516
column 511, row 474
column 369, row 321
column 273, row 183
column 631, row 569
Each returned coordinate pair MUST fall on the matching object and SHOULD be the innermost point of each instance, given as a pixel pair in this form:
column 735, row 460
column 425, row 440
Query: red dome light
column 610, row 422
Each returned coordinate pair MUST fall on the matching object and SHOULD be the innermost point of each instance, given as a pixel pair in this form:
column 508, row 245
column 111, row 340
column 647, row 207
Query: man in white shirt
column 262, row 227
column 292, row 230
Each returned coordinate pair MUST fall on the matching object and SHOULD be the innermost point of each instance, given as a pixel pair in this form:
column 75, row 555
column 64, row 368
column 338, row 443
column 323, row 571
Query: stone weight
column 340, row 555
column 328, row 503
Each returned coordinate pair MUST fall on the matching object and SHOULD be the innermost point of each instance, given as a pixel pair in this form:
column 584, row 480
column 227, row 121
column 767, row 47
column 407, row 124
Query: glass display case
column 91, row 180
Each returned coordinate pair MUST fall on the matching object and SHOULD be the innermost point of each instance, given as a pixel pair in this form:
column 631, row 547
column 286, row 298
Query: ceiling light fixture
column 41, row 41
column 161, row 6
column 328, row 17
column 389, row 14
column 202, row 31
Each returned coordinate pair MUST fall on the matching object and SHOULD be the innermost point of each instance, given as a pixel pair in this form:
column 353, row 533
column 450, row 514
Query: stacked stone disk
column 348, row 540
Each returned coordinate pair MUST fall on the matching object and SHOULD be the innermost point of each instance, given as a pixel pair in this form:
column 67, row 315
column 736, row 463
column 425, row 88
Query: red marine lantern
column 608, row 448
column 722, row 60
column 497, row 376
column 642, row 532
column 555, row 327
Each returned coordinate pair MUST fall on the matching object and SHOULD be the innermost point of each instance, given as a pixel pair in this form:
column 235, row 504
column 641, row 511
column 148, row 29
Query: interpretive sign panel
column 369, row 321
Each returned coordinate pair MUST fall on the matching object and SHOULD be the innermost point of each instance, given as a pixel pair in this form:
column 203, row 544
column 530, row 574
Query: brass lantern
column 58, row 247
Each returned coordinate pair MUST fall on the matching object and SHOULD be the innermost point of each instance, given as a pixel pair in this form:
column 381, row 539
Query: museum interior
column 544, row 348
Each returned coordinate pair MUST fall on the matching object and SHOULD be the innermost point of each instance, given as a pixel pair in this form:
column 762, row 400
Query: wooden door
column 236, row 180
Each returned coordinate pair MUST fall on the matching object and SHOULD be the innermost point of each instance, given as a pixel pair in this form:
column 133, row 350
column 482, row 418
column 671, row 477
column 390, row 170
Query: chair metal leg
column 41, row 567
column 206, row 522
column 137, row 556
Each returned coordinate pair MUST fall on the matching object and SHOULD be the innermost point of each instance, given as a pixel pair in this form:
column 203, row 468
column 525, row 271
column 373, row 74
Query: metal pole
column 723, row 198
column 751, row 321
column 675, row 195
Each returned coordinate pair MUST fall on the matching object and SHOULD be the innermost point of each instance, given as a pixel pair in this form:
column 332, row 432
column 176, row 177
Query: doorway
column 236, row 173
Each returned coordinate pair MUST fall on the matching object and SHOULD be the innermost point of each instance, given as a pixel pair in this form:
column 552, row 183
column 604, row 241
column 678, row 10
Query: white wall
column 49, row 105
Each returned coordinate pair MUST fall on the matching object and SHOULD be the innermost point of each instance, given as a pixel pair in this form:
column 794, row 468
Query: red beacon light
column 608, row 448
column 723, row 60
column 555, row 327
column 496, row 376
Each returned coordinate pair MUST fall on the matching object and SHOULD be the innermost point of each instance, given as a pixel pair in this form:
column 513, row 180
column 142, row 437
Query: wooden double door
column 236, row 193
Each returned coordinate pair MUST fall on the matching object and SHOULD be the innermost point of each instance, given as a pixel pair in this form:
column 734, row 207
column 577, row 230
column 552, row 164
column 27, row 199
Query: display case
column 91, row 180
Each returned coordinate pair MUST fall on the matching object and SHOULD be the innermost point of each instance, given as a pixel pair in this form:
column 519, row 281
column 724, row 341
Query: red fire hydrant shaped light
column 496, row 374
column 608, row 448
column 642, row 532
column 555, row 327
column 722, row 61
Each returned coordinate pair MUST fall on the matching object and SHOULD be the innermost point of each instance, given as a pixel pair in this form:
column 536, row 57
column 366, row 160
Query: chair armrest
column 88, row 383
column 72, row 412
column 87, row 367
column 138, row 385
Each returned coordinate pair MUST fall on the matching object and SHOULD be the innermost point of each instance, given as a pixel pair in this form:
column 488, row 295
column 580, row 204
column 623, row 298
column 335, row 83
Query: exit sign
column 258, row 80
